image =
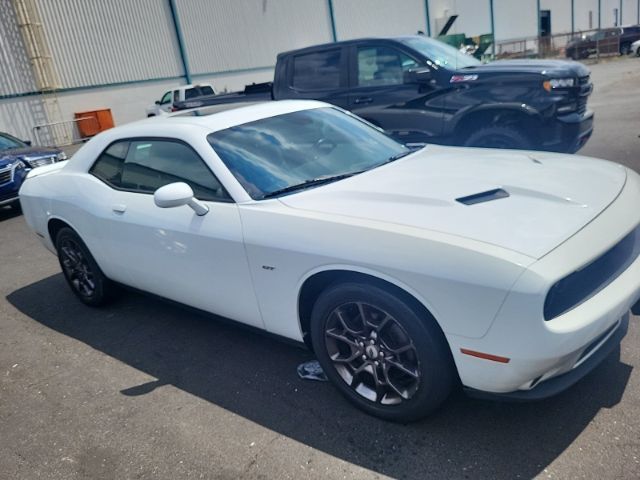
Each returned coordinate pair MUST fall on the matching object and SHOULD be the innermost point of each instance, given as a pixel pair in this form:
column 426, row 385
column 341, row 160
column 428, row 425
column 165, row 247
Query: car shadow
column 254, row 376
column 7, row 212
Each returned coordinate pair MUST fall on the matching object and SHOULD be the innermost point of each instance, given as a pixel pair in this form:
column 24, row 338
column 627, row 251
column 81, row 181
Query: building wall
column 96, row 42
column 560, row 15
column 123, row 54
column 364, row 18
column 15, row 69
column 515, row 20
column 231, row 35
column 473, row 16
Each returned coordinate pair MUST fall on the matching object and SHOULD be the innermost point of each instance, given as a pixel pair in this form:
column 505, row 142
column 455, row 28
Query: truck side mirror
column 418, row 75
column 157, row 102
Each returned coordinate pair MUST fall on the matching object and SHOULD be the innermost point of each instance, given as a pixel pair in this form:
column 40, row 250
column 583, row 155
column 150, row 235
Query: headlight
column 61, row 156
column 18, row 164
column 558, row 83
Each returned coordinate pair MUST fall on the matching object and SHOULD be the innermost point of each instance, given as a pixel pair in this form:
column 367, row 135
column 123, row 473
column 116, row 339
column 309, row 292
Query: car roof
column 209, row 119
column 219, row 117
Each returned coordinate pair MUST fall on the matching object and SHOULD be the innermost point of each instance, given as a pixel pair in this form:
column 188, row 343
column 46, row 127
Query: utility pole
column 493, row 28
column 573, row 17
column 426, row 8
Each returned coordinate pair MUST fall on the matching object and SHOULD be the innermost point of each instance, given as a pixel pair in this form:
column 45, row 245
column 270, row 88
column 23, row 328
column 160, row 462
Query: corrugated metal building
column 123, row 54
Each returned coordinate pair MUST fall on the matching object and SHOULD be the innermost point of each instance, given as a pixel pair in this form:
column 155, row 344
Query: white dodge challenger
column 407, row 271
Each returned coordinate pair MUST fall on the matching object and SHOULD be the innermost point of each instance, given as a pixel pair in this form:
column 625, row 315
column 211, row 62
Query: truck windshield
column 299, row 150
column 440, row 53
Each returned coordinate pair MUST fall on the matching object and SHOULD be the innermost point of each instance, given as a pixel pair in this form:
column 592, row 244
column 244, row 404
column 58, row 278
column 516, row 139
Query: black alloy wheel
column 372, row 353
column 81, row 270
column 382, row 354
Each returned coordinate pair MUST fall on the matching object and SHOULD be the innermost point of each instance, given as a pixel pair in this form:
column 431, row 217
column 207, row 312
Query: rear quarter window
column 317, row 70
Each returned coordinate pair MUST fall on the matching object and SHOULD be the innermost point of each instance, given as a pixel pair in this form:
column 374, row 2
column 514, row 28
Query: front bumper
column 538, row 350
column 568, row 133
column 601, row 349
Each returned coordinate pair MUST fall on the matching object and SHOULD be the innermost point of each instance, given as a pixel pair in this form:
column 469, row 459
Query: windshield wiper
column 309, row 183
column 400, row 155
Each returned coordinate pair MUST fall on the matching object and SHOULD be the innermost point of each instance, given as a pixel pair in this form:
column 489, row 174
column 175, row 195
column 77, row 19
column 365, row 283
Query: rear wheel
column 81, row 270
column 498, row 137
column 625, row 49
column 380, row 353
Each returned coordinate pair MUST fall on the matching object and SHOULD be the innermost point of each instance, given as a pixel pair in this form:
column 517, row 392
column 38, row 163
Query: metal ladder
column 46, row 112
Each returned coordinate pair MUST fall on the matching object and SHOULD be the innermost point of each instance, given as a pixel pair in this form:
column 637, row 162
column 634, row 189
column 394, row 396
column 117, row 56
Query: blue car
column 16, row 159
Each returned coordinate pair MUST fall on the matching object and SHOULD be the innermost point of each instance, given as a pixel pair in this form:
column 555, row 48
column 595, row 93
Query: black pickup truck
column 422, row 90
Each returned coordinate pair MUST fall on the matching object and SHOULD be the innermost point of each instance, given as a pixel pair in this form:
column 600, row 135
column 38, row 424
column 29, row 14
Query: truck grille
column 5, row 176
column 585, row 86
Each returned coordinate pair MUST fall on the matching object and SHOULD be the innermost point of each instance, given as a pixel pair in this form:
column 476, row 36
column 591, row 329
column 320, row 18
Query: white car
column 635, row 48
column 407, row 271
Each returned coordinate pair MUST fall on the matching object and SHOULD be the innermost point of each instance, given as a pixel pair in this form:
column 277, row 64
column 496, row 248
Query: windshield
column 276, row 153
column 7, row 142
column 440, row 53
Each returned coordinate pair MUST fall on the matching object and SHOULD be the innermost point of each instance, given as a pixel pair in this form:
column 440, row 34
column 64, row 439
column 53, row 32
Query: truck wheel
column 625, row 49
column 380, row 353
column 498, row 137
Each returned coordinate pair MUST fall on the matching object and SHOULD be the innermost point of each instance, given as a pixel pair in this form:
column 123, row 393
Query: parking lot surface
column 144, row 389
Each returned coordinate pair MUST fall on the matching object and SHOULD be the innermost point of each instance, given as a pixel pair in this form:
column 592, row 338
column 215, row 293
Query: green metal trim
column 573, row 16
column 181, row 46
column 493, row 28
column 426, row 8
column 90, row 87
column 224, row 72
column 620, row 15
column 599, row 14
column 332, row 18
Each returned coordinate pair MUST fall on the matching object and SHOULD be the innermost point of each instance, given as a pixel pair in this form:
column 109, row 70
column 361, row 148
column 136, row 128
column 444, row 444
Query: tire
column 625, row 49
column 16, row 207
column 151, row 115
column 403, row 338
column 81, row 271
column 498, row 137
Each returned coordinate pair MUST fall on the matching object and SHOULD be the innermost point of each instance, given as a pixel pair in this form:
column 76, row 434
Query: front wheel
column 380, row 353
column 498, row 137
column 81, row 271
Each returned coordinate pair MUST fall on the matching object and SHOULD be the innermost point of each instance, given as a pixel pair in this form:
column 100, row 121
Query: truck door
column 383, row 92
column 318, row 75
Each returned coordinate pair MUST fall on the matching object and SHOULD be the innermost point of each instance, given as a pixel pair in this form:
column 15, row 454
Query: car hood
column 10, row 155
column 550, row 196
column 550, row 68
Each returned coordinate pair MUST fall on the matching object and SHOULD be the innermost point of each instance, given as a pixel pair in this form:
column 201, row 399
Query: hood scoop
column 483, row 197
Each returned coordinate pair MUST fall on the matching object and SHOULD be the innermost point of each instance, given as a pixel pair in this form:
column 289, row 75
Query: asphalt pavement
column 146, row 390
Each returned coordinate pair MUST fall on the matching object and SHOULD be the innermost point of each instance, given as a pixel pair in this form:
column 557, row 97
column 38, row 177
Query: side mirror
column 418, row 75
column 27, row 142
column 157, row 102
column 176, row 195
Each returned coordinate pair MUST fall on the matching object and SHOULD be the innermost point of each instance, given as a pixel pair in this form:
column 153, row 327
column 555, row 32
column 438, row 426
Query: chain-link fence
column 578, row 46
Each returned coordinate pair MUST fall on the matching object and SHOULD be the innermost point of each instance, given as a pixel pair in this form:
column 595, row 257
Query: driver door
column 196, row 260
column 383, row 93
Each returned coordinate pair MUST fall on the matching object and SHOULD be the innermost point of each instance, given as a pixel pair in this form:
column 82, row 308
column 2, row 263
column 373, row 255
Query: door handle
column 362, row 100
column 119, row 208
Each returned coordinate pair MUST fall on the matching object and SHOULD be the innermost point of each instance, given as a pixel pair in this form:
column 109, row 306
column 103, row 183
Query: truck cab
column 421, row 90
column 178, row 94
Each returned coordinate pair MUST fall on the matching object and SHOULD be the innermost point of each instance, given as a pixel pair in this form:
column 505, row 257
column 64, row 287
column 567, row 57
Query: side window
column 317, row 71
column 382, row 66
column 151, row 164
column 176, row 96
column 108, row 166
column 166, row 98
